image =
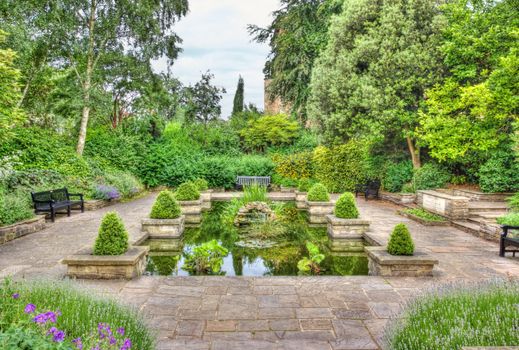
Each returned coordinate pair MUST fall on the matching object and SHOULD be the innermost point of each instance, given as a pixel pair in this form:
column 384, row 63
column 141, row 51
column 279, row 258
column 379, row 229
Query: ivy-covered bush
column 400, row 241
column 396, row 175
column 345, row 207
column 165, row 207
column 499, row 174
column 187, row 192
column 341, row 168
column 430, row 176
column 201, row 184
column 112, row 238
column 318, row 193
column 294, row 166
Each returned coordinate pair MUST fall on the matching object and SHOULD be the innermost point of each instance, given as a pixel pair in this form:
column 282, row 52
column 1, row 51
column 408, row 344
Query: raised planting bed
column 22, row 228
column 163, row 228
column 84, row 265
column 398, row 198
column 381, row 263
column 444, row 204
column 192, row 210
column 346, row 234
column 424, row 217
column 318, row 211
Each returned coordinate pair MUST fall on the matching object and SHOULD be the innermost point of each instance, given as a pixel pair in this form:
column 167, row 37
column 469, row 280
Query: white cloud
column 215, row 38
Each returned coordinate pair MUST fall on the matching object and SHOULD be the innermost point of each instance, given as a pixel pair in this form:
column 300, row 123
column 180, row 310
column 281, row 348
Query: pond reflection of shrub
column 164, row 265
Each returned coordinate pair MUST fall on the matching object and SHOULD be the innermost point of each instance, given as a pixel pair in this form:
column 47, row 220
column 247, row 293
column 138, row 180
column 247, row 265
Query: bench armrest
column 506, row 228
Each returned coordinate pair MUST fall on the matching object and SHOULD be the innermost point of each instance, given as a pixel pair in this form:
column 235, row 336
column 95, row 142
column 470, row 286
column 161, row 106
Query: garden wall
column 8, row 233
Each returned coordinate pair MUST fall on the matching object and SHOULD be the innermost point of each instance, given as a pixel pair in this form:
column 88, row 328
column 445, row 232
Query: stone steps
column 467, row 226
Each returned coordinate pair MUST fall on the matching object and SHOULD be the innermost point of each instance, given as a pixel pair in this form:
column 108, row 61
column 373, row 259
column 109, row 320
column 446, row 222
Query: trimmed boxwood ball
column 318, row 193
column 201, row 184
column 345, row 208
column 187, row 192
column 112, row 238
column 400, row 242
column 165, row 207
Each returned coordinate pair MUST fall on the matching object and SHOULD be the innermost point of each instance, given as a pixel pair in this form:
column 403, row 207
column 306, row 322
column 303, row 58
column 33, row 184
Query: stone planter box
column 192, row 210
column 84, row 265
column 301, row 200
column 422, row 221
column 346, row 234
column 318, row 210
column 444, row 204
column 22, row 228
column 205, row 196
column 163, row 228
column 381, row 263
column 398, row 198
column 95, row 204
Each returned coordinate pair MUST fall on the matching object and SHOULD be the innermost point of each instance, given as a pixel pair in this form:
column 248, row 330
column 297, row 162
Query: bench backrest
column 250, row 180
column 58, row 195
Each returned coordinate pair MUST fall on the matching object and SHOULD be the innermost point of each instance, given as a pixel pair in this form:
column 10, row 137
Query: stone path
column 263, row 313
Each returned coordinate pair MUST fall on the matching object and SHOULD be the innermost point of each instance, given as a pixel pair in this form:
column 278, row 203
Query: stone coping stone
column 84, row 257
column 332, row 219
column 164, row 228
column 175, row 221
column 22, row 228
column 440, row 194
column 372, row 240
column 423, row 221
column 381, row 256
column 189, row 203
column 320, row 204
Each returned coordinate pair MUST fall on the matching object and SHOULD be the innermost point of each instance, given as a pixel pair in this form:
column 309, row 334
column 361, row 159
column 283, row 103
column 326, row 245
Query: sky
column 215, row 38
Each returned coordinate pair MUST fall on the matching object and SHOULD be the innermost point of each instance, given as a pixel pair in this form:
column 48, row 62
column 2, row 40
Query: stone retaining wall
column 96, row 204
column 19, row 229
column 444, row 204
column 404, row 199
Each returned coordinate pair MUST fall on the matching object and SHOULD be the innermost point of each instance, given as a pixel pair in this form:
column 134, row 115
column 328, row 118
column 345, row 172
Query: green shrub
column 19, row 337
column 499, row 174
column 345, row 207
column 205, row 259
column 253, row 165
column 283, row 181
column 127, row 184
column 318, row 193
column 201, row 184
column 514, row 202
column 408, row 188
column 165, row 207
column 271, row 130
column 112, row 238
column 424, row 214
column 294, row 166
column 304, row 185
column 511, row 219
column 14, row 207
column 254, row 193
column 454, row 317
column 400, row 241
column 397, row 174
column 187, row 192
column 81, row 312
column 430, row 176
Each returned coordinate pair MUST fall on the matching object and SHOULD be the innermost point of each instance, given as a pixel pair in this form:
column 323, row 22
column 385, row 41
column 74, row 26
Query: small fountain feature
column 254, row 213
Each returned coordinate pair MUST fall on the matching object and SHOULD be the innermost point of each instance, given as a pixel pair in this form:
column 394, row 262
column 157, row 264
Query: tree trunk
column 88, row 81
column 415, row 153
column 24, row 93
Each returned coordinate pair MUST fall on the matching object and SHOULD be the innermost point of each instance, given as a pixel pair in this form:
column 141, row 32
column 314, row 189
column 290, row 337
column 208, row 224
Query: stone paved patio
column 262, row 313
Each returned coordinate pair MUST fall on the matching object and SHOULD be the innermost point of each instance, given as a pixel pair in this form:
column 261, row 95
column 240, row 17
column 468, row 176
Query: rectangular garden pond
column 264, row 247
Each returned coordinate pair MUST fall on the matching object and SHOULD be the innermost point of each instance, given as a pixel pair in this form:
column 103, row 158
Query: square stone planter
column 318, row 210
column 205, row 196
column 163, row 228
column 84, row 265
column 22, row 228
column 192, row 210
column 381, row 263
column 346, row 234
column 301, row 200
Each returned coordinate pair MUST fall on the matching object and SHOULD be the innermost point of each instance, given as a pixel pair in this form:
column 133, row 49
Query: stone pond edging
column 346, row 234
column 381, row 263
column 192, row 210
column 318, row 210
column 22, row 228
column 163, row 228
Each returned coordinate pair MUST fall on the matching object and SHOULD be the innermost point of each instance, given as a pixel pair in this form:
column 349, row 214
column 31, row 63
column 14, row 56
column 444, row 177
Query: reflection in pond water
column 271, row 248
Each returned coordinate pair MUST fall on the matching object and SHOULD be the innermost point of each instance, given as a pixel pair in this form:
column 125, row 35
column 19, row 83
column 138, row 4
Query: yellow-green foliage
column 345, row 208
column 165, row 207
column 294, row 166
column 400, row 241
column 112, row 238
column 342, row 167
column 270, row 130
column 318, row 193
column 201, row 184
column 187, row 192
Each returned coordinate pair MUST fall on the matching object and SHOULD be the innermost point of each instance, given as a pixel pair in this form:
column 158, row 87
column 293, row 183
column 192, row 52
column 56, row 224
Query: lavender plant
column 105, row 192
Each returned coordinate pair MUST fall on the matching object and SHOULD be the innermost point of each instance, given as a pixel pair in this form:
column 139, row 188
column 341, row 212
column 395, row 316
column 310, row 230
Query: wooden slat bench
column 370, row 188
column 242, row 181
column 508, row 241
column 55, row 200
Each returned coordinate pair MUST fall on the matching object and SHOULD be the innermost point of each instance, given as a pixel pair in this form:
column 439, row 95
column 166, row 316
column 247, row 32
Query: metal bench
column 55, row 200
column 242, row 181
column 370, row 188
column 507, row 241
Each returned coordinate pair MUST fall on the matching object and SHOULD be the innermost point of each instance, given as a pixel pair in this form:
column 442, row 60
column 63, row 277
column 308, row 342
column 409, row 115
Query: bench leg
column 68, row 210
column 502, row 248
column 52, row 215
column 82, row 206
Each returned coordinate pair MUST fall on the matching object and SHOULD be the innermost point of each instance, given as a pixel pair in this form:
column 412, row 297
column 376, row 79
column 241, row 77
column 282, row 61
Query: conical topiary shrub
column 318, row 193
column 187, row 192
column 112, row 238
column 345, row 208
column 201, row 184
column 165, row 207
column 400, row 242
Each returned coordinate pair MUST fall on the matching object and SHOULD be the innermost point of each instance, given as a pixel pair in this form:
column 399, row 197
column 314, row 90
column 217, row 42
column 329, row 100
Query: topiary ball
column 187, row 192
column 165, row 207
column 400, row 242
column 201, row 184
column 318, row 193
column 112, row 238
column 346, row 208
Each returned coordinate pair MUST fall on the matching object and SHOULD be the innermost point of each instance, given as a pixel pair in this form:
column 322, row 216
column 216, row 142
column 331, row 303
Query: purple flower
column 52, row 330
column 120, row 331
column 113, row 341
column 126, row 345
column 16, row 296
column 101, row 328
column 29, row 308
column 45, row 317
column 79, row 343
column 59, row 336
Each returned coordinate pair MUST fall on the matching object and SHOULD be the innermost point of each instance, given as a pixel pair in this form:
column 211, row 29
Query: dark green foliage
column 500, row 173
column 345, row 207
column 203, row 100
column 165, row 207
column 318, row 193
column 187, row 192
column 112, row 238
column 23, row 338
column 201, row 184
column 239, row 97
column 514, row 202
column 269, row 130
column 396, row 175
column 430, row 176
column 14, row 207
column 400, row 241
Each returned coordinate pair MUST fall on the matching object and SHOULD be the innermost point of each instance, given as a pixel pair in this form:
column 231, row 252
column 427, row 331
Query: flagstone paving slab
column 279, row 313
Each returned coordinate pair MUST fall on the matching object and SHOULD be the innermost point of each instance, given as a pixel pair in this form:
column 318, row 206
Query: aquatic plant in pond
column 311, row 264
column 205, row 259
